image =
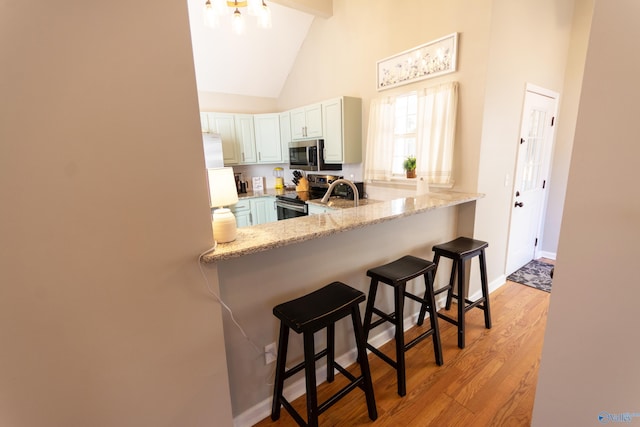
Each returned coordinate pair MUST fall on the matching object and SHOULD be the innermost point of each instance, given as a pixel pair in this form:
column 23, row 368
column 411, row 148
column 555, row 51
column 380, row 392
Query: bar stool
column 306, row 315
column 460, row 250
column 397, row 274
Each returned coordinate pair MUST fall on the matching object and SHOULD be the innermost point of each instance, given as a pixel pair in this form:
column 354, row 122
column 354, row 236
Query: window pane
column 405, row 130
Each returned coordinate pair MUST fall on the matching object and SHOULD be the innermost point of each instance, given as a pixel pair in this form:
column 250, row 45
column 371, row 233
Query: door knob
column 519, row 204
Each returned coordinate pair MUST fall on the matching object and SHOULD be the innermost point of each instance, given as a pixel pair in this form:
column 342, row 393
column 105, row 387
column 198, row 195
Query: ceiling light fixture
column 214, row 9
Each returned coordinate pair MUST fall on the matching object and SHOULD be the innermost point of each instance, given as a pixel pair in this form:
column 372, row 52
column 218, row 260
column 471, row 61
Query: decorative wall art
column 422, row 62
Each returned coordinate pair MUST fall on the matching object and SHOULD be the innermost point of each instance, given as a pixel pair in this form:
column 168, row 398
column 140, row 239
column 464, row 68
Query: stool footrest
column 300, row 366
column 382, row 356
column 471, row 304
column 417, row 339
column 339, row 395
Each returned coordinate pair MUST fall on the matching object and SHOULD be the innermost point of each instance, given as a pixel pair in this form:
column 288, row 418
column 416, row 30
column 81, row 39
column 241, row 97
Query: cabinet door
column 306, row 122
column 224, row 124
column 315, row 209
column 313, row 120
column 242, row 212
column 204, row 122
column 285, row 135
column 298, row 123
column 332, row 112
column 268, row 146
column 246, row 138
column 263, row 210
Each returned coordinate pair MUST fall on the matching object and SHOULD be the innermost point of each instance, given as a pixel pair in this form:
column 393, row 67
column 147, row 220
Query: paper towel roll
column 422, row 186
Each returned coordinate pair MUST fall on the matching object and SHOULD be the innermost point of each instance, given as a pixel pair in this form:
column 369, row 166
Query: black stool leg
column 331, row 352
column 399, row 321
column 283, row 342
column 433, row 317
column 454, row 267
column 310, row 375
column 485, row 290
column 364, row 363
column 368, row 313
column 462, row 292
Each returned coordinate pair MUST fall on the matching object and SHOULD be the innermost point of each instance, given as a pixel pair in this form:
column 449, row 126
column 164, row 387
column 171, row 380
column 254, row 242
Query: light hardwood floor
column 491, row 382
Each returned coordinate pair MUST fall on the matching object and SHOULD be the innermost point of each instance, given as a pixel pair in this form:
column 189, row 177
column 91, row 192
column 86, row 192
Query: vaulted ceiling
column 258, row 62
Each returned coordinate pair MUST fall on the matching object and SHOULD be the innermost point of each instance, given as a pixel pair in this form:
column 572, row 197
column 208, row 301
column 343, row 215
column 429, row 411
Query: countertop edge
column 260, row 238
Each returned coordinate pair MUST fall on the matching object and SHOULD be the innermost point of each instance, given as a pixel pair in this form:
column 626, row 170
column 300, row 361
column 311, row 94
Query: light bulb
column 264, row 17
column 238, row 22
column 210, row 15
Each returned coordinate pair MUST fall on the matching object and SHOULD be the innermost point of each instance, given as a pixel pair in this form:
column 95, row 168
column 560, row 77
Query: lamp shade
column 222, row 187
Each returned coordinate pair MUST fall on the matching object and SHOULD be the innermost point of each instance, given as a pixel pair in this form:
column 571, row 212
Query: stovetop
column 318, row 185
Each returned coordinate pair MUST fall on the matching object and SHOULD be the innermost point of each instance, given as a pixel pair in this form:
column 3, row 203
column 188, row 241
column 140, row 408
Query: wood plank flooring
column 491, row 382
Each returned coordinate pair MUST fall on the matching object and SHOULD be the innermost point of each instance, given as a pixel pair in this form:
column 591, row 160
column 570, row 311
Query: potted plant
column 409, row 166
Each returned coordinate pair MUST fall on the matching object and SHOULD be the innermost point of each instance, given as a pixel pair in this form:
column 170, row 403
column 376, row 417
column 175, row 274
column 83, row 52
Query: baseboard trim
column 297, row 388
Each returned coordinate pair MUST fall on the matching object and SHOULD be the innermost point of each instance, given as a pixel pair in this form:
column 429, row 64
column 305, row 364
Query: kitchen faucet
column 356, row 195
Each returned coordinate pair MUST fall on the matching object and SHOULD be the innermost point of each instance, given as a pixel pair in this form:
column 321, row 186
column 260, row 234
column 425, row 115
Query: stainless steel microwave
column 309, row 156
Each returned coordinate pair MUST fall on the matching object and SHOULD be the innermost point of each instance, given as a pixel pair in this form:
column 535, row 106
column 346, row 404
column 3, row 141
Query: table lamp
column 223, row 192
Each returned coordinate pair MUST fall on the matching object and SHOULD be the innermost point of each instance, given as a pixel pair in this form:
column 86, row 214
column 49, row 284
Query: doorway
column 533, row 164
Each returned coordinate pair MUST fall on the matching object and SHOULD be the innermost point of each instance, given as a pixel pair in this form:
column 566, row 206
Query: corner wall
column 104, row 318
column 589, row 362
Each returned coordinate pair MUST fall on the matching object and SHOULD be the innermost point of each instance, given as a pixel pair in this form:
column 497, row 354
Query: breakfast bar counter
column 263, row 237
column 271, row 263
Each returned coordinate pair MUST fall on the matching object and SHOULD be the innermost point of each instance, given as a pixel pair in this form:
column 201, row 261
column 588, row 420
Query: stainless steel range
column 294, row 204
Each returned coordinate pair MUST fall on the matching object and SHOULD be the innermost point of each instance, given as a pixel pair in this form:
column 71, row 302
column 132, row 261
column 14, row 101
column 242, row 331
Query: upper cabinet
column 264, row 138
column 342, row 130
column 268, row 141
column 306, row 122
column 223, row 124
column 246, row 138
column 285, row 134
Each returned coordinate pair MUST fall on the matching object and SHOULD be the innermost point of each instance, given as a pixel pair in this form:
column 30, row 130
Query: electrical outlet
column 270, row 353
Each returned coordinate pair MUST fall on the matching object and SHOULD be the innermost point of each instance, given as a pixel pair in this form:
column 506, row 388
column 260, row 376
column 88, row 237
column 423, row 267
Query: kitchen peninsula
column 271, row 263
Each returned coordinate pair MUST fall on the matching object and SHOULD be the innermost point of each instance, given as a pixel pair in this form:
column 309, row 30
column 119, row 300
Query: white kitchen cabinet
column 285, row 135
column 224, row 124
column 315, row 209
column 242, row 211
column 246, row 139
column 306, row 122
column 342, row 130
column 263, row 210
column 267, row 135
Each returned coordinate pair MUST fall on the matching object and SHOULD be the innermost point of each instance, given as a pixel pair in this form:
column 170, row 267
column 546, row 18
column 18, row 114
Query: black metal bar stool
column 460, row 250
column 306, row 315
column 397, row 274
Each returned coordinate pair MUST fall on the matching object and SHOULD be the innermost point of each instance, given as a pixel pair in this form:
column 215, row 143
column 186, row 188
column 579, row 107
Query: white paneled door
column 532, row 175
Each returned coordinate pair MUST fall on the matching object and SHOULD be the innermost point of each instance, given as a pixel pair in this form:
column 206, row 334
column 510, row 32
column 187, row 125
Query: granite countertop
column 268, row 236
column 341, row 203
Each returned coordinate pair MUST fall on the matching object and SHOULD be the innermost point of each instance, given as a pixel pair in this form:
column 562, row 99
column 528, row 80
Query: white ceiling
column 256, row 63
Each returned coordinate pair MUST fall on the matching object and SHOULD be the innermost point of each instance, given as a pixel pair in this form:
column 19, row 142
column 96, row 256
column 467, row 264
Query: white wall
column 104, row 320
column 590, row 356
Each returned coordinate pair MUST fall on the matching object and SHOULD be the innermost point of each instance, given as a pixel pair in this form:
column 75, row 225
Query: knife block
column 303, row 184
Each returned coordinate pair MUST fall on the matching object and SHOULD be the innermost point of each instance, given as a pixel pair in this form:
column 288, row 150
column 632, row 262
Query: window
column 420, row 123
column 404, row 138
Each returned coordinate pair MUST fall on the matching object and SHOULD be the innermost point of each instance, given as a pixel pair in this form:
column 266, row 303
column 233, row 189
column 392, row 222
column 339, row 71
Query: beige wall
column 339, row 58
column 104, row 320
column 566, row 124
column 590, row 356
column 529, row 44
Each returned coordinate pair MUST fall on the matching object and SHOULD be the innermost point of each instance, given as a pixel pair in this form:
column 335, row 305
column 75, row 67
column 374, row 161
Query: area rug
column 536, row 274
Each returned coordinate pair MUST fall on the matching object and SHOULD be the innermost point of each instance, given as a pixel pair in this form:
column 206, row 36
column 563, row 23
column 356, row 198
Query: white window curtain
column 437, row 109
column 436, row 124
column 380, row 135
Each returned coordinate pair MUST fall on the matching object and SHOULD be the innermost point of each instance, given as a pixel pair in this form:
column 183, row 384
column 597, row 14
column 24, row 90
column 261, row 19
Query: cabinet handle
column 243, row 157
column 259, row 156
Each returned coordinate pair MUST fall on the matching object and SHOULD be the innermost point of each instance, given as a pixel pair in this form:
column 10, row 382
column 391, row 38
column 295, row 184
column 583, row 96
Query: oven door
column 287, row 210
